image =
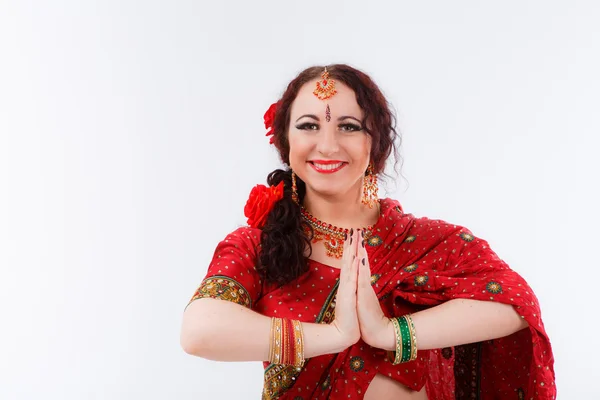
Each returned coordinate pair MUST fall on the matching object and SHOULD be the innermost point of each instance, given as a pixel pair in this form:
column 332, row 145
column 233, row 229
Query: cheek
column 297, row 145
column 298, row 150
column 368, row 143
column 367, row 149
column 360, row 148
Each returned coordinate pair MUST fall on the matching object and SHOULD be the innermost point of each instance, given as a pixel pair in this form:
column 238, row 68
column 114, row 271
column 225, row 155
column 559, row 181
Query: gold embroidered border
column 327, row 314
column 278, row 379
column 224, row 288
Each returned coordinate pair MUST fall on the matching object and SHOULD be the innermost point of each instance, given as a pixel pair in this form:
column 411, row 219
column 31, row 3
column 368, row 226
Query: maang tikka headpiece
column 325, row 87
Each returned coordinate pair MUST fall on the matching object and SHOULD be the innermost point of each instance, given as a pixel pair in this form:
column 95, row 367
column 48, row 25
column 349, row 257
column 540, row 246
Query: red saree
column 416, row 263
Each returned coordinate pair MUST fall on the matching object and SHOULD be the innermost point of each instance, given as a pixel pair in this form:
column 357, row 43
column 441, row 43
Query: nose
column 327, row 141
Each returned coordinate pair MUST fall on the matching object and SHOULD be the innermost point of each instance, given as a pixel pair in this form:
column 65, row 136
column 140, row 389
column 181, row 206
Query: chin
column 326, row 189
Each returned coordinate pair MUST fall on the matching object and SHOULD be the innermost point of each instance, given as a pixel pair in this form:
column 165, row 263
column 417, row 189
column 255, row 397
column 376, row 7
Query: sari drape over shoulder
column 416, row 263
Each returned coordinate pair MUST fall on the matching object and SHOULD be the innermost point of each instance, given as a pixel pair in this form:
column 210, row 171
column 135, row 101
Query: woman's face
column 332, row 156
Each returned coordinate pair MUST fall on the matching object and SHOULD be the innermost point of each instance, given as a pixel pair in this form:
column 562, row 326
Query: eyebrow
column 343, row 117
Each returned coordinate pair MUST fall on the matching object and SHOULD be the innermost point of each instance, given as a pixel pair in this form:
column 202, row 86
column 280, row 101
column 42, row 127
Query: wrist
column 387, row 336
column 342, row 340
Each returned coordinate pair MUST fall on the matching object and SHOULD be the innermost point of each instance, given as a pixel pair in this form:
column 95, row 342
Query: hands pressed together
column 358, row 313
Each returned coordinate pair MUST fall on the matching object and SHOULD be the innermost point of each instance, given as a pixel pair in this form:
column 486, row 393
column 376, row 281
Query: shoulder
column 245, row 233
column 423, row 225
column 437, row 224
column 446, row 236
column 244, row 237
column 232, row 273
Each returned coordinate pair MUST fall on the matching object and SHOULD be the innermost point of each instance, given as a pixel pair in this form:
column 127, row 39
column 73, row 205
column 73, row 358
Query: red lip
column 327, row 171
column 326, row 162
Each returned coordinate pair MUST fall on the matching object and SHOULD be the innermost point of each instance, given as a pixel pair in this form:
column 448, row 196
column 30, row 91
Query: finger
column 353, row 278
column 362, row 248
column 364, row 273
column 346, row 257
column 355, row 244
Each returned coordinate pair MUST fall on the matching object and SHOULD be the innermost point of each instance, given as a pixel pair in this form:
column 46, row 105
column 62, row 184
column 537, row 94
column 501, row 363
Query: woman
column 345, row 294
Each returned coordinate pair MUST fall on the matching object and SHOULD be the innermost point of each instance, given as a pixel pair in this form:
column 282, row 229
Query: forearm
column 224, row 331
column 460, row 321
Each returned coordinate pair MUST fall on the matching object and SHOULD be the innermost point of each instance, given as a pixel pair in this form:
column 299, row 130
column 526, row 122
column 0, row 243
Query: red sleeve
column 232, row 274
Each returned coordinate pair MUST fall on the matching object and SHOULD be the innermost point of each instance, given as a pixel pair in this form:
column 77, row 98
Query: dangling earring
column 294, row 188
column 370, row 188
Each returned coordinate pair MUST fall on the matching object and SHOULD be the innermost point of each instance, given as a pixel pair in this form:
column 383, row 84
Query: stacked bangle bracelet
column 287, row 342
column 406, row 340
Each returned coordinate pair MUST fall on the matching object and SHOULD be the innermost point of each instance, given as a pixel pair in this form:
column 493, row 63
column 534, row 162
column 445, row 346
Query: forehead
column 343, row 102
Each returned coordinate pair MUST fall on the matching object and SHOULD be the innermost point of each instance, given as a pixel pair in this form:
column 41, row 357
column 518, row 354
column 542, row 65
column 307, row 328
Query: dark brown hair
column 283, row 240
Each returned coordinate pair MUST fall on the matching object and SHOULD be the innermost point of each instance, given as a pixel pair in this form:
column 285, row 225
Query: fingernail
column 350, row 239
column 351, row 231
column 362, row 233
column 363, row 261
column 363, row 243
column 345, row 236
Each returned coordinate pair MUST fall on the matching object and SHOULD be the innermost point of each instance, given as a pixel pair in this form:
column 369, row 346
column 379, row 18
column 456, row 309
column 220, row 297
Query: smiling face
column 329, row 149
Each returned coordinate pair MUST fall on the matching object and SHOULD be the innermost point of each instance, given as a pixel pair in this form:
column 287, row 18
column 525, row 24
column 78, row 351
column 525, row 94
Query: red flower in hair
column 261, row 202
column 269, row 118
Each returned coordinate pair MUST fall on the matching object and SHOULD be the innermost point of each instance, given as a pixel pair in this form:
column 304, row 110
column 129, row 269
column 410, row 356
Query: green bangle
column 406, row 340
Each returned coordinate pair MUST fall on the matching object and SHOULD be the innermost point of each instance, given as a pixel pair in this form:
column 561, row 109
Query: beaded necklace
column 332, row 236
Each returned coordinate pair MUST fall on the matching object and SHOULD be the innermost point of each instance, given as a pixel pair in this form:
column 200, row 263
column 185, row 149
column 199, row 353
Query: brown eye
column 350, row 128
column 308, row 126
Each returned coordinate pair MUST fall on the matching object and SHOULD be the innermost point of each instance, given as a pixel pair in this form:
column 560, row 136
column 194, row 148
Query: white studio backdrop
column 131, row 134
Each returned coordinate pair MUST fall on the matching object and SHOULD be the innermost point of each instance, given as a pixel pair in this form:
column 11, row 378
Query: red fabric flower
column 261, row 202
column 269, row 118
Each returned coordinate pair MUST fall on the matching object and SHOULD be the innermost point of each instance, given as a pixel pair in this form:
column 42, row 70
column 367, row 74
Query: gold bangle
column 413, row 337
column 298, row 344
column 271, row 347
column 275, row 356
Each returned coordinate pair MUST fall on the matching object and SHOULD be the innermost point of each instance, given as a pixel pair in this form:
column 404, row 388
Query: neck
column 345, row 211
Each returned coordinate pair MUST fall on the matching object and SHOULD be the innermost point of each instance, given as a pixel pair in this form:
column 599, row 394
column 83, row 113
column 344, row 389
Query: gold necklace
column 332, row 236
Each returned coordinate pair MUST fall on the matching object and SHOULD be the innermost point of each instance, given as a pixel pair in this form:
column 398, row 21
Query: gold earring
column 294, row 189
column 370, row 188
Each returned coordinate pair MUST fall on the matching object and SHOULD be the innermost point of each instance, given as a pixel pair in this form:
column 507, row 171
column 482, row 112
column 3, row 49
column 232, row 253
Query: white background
column 131, row 134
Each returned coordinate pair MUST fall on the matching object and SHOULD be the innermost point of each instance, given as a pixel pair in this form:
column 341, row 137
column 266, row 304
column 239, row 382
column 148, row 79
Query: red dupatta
column 416, row 263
